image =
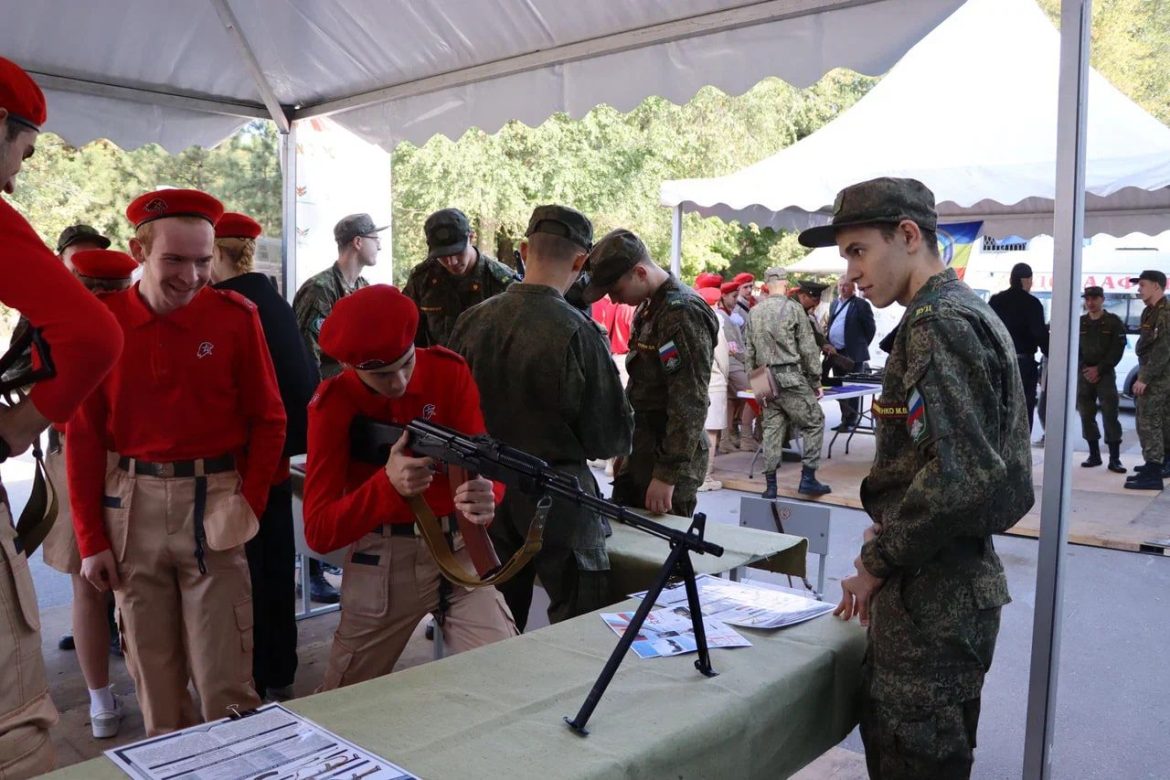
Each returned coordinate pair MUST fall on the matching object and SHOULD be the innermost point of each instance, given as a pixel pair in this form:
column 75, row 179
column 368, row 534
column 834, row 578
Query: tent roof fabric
column 971, row 111
column 393, row 70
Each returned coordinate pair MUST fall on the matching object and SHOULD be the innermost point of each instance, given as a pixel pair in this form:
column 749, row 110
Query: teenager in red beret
column 271, row 552
column 195, row 423
column 85, row 341
column 391, row 581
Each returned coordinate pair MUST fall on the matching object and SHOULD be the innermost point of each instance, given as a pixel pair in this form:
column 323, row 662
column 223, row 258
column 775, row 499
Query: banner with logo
column 955, row 242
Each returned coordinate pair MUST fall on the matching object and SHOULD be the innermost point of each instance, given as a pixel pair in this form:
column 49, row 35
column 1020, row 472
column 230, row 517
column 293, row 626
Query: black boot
column 1094, row 458
column 1166, row 467
column 1115, row 457
column 809, row 485
column 770, row 483
column 1137, row 473
column 1150, row 478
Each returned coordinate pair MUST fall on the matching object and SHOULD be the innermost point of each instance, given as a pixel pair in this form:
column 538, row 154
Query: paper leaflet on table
column 666, row 633
column 742, row 604
column 270, row 743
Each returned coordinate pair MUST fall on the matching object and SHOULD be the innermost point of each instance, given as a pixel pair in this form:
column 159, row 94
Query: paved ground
column 1112, row 710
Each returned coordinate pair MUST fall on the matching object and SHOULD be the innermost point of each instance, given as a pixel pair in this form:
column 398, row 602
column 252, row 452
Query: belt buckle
column 164, row 470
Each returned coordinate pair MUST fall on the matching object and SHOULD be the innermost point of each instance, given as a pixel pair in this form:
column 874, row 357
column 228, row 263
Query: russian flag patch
column 916, row 415
column 668, row 354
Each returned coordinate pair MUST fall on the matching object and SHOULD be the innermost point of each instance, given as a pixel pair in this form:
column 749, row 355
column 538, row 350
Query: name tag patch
column 888, row 411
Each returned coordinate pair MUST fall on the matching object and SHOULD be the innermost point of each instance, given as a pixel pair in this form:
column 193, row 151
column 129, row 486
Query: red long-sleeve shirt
column 83, row 338
column 196, row 383
column 346, row 499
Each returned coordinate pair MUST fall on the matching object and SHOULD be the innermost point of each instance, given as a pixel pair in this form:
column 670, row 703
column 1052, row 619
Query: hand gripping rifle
column 371, row 442
column 19, row 371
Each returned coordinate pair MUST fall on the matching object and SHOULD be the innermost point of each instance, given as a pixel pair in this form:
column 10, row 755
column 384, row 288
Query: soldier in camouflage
column 781, row 338
column 952, row 468
column 454, row 277
column 1152, row 387
column 1102, row 345
column 357, row 248
column 669, row 363
column 548, row 386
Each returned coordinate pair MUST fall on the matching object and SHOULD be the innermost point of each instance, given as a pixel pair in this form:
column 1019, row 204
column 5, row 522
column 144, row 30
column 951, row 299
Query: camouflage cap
column 1093, row 291
column 775, row 274
column 884, row 200
column 611, row 257
column 447, row 232
column 1157, row 277
column 75, row 233
column 349, row 228
column 564, row 222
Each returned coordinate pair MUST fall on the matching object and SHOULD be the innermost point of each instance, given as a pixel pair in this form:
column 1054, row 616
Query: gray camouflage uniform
column 312, row 305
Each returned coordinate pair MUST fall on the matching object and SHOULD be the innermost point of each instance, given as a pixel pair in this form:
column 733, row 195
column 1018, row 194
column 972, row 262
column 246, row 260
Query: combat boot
column 809, row 485
column 1137, row 473
column 1150, row 478
column 1115, row 458
column 770, row 485
column 1094, row 458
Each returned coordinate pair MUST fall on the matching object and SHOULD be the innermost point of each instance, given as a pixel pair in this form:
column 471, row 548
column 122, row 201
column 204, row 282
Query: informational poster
column 270, row 743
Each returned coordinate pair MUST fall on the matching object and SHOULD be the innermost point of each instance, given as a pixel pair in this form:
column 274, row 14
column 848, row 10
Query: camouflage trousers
column 795, row 409
column 913, row 742
column 629, row 485
column 1153, row 419
column 1089, row 396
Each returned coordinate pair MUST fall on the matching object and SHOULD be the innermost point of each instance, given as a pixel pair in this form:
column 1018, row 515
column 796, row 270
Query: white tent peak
column 988, row 78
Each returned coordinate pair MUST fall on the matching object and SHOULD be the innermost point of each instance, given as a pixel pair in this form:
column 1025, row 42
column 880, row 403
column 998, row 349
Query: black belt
column 178, row 468
column 447, row 523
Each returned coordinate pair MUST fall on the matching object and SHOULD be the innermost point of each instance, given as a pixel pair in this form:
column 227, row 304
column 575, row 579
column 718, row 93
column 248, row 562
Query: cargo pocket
column 229, row 520
column 340, row 659
column 365, row 582
column 116, row 503
column 16, row 568
column 245, row 619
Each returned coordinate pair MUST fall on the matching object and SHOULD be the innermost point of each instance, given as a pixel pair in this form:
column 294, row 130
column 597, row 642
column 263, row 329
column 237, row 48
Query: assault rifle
column 371, row 442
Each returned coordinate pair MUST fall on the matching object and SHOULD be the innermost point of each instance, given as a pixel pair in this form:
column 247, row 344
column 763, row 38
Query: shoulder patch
column 916, row 420
column 236, row 298
column 502, row 273
column 668, row 354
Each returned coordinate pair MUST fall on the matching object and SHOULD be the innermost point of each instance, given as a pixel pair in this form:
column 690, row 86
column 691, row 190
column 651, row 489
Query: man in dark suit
column 848, row 333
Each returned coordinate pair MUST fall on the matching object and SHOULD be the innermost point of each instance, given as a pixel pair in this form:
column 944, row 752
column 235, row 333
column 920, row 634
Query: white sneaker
column 105, row 724
column 710, row 484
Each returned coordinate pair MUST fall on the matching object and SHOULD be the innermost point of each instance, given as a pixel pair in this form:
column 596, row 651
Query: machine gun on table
column 371, row 441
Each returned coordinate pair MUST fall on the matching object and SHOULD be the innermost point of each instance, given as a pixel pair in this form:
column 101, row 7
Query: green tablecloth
column 636, row 557
column 496, row 712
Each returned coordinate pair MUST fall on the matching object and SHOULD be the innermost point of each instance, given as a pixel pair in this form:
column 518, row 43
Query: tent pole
column 228, row 18
column 288, row 244
column 1068, row 233
column 676, row 242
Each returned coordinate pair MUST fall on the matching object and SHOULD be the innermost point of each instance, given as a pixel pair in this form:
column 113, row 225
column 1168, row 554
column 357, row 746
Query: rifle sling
column 452, row 569
column 39, row 514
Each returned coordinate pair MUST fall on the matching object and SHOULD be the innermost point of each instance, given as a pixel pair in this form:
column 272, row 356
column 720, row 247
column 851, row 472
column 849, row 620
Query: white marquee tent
column 988, row 74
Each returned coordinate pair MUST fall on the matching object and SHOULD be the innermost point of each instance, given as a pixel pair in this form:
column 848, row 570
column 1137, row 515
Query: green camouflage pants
column 911, row 742
column 795, row 409
column 629, row 485
column 1152, row 421
column 1089, row 395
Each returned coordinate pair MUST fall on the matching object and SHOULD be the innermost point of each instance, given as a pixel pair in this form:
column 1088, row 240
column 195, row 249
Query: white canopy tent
column 991, row 69
column 177, row 72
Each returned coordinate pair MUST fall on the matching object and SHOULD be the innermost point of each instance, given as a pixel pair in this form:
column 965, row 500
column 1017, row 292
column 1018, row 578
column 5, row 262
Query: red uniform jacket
column 196, row 383
column 346, row 499
column 84, row 340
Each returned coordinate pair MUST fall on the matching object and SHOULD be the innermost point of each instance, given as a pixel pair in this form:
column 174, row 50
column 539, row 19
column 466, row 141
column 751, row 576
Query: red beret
column 729, row 287
column 161, row 204
column 371, row 328
column 235, row 225
column 104, row 264
column 21, row 96
column 707, row 279
column 710, row 294
column 744, row 278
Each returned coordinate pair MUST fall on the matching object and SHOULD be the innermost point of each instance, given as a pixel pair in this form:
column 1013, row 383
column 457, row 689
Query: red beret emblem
column 157, row 205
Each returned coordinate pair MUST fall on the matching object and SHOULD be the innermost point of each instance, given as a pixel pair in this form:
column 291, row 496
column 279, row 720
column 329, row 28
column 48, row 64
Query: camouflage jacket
column 781, row 335
column 1153, row 345
column 441, row 297
column 548, row 386
column 312, row 305
column 952, row 467
column 1102, row 342
column 672, row 342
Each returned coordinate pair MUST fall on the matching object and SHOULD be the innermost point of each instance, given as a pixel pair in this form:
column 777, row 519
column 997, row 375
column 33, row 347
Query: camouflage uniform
column 312, row 305
column 442, row 297
column 671, row 346
column 1153, row 352
column 952, row 468
column 1102, row 345
column 781, row 337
